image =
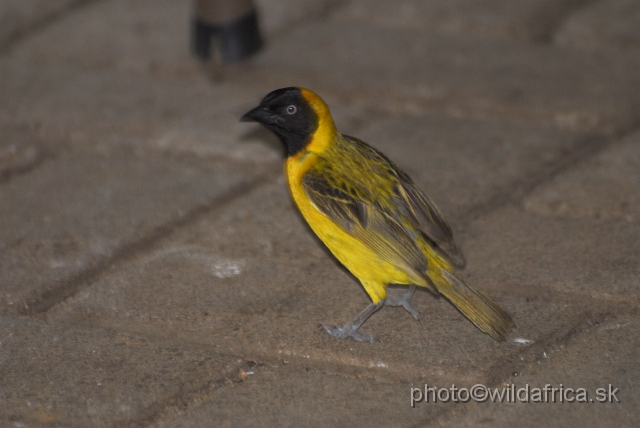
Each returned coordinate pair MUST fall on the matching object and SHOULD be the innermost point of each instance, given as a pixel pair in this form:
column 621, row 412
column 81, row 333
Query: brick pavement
column 153, row 271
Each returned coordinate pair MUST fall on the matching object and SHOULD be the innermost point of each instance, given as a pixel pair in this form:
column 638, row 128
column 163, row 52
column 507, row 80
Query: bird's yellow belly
column 374, row 272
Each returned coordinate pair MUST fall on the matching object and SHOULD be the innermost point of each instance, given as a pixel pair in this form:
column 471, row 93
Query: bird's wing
column 366, row 221
column 421, row 209
column 413, row 205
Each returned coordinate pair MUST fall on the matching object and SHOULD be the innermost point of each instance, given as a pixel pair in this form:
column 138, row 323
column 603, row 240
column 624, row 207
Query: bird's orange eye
column 292, row 109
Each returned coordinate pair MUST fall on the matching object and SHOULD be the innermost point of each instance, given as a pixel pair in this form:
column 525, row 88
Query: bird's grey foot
column 403, row 300
column 349, row 331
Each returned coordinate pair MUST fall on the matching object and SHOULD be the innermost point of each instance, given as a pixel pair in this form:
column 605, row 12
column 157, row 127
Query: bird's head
column 294, row 114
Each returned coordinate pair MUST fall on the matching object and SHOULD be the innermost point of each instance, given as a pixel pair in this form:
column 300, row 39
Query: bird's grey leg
column 404, row 300
column 351, row 329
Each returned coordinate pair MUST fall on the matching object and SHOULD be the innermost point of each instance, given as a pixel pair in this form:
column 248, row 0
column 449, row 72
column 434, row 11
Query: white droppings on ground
column 226, row 268
column 57, row 264
column 522, row 341
column 615, row 326
column 221, row 267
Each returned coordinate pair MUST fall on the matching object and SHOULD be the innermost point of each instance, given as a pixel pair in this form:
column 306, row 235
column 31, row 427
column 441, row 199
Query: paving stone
column 605, row 355
column 527, row 20
column 252, row 282
column 604, row 25
column 605, row 187
column 464, row 163
column 292, row 398
column 55, row 376
column 81, row 208
column 408, row 71
column 20, row 16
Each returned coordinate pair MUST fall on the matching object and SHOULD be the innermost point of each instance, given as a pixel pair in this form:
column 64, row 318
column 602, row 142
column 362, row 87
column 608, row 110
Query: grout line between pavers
column 515, row 192
column 21, row 34
column 533, row 353
column 184, row 399
column 68, row 287
column 10, row 173
column 180, row 402
column 553, row 24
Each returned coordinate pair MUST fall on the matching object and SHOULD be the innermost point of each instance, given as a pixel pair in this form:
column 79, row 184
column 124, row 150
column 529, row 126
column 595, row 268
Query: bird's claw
column 349, row 331
column 412, row 311
column 404, row 301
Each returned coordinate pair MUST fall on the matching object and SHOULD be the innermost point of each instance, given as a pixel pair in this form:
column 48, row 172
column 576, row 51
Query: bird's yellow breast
column 374, row 272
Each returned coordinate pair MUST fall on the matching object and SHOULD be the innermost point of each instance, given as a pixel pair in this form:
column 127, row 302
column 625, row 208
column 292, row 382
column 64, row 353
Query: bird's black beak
column 259, row 114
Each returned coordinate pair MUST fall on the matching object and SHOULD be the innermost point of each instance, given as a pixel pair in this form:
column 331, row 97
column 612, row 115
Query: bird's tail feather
column 485, row 314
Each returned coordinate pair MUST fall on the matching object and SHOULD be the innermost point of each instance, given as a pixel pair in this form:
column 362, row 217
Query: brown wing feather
column 430, row 220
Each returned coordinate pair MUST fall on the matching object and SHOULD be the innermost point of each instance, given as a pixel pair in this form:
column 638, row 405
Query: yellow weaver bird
column 369, row 214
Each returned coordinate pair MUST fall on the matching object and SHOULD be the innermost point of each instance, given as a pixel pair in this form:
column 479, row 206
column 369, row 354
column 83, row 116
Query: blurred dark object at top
column 227, row 29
